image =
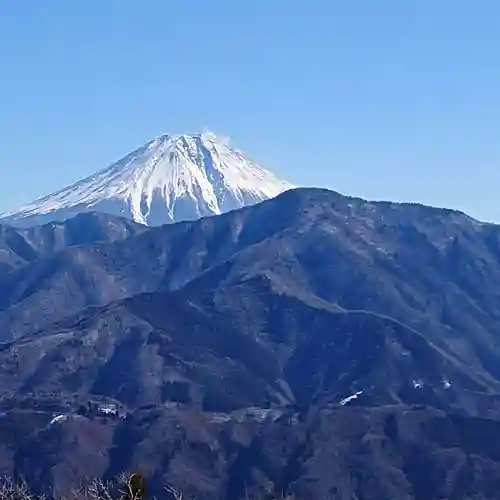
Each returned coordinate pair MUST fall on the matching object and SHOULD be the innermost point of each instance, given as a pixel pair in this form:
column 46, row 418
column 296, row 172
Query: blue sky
column 385, row 99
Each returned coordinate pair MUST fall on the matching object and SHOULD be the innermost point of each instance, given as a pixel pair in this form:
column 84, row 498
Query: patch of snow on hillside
column 351, row 398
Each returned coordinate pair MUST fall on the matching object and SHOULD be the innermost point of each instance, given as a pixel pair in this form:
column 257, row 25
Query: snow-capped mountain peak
column 169, row 179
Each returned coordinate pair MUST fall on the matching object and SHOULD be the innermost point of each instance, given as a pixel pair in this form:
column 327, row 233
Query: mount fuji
column 170, row 179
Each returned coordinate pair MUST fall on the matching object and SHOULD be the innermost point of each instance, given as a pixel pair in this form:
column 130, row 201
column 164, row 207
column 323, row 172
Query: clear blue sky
column 385, row 99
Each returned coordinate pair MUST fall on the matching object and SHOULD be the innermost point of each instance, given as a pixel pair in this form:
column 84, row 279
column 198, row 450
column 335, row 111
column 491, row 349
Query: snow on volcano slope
column 169, row 179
